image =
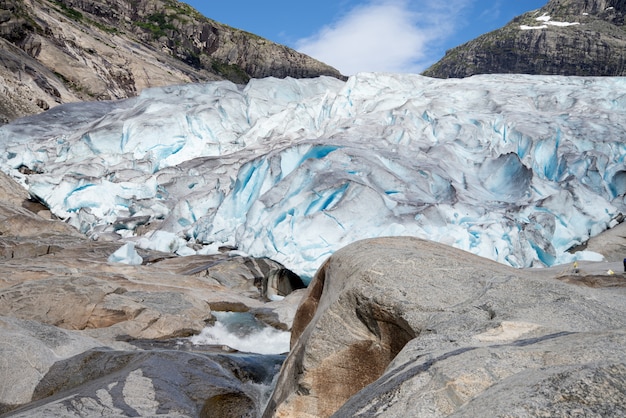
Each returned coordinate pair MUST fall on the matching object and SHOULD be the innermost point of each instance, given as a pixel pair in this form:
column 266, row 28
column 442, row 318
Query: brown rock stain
column 308, row 306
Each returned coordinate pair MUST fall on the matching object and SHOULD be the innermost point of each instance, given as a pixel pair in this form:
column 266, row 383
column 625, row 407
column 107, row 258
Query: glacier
column 516, row 168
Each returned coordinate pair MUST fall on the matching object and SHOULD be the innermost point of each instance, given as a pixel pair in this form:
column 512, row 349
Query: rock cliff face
column 565, row 37
column 59, row 51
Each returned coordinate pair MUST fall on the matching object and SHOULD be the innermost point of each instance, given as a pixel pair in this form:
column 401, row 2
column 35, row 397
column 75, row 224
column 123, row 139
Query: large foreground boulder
column 28, row 349
column 159, row 382
column 400, row 327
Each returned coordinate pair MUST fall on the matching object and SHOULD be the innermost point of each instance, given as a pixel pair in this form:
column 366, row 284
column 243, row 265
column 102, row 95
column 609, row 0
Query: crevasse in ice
column 515, row 168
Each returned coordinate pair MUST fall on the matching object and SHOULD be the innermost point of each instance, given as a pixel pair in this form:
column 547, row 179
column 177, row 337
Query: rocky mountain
column 59, row 51
column 565, row 37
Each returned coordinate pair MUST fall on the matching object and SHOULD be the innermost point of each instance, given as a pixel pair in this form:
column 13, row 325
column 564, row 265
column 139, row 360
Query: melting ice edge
column 515, row 168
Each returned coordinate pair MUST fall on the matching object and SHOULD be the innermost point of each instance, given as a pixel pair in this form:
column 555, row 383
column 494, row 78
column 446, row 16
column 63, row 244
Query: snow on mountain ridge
column 547, row 20
column 514, row 168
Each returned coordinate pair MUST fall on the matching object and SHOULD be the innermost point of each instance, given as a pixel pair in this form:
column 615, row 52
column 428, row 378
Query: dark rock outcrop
column 565, row 37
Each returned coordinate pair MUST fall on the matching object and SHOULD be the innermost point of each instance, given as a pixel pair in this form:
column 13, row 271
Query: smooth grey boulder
column 400, row 327
column 28, row 349
column 162, row 381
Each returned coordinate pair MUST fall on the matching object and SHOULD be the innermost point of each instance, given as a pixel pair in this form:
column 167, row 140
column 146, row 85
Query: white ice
column 126, row 254
column 515, row 168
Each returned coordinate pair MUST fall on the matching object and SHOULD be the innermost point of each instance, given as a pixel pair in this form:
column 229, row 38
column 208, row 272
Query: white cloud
column 384, row 36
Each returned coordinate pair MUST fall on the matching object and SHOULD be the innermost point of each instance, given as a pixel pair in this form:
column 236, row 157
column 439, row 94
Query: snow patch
column 547, row 20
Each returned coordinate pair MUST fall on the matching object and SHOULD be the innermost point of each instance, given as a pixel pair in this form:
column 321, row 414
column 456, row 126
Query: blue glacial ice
column 126, row 254
column 515, row 168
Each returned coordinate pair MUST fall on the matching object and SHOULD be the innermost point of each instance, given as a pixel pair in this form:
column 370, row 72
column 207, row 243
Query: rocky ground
column 389, row 327
column 80, row 336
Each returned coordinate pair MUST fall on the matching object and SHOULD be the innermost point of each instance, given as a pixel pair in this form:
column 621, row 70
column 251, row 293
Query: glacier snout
column 515, row 168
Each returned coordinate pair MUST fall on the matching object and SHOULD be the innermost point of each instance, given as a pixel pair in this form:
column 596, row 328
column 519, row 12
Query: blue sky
column 368, row 35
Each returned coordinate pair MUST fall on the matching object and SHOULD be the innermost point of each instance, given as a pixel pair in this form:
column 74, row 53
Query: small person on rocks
column 625, row 265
